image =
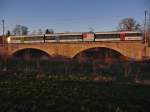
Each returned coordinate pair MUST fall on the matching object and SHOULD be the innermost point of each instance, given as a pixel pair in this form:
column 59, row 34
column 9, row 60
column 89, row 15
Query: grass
column 48, row 86
column 72, row 96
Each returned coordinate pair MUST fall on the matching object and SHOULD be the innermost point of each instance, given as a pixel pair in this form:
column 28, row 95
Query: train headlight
column 8, row 39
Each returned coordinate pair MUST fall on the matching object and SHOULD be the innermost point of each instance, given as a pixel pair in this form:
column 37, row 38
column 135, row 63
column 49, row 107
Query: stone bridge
column 135, row 50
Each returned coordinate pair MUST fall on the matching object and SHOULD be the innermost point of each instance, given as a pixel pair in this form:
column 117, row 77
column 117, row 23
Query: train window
column 139, row 34
column 114, row 36
column 16, row 38
column 133, row 34
column 65, row 37
column 98, row 35
column 117, row 35
column 50, row 37
column 107, row 35
column 33, row 38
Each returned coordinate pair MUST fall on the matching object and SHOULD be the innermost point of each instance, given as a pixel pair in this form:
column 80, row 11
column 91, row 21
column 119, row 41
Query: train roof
column 117, row 32
column 75, row 33
column 54, row 34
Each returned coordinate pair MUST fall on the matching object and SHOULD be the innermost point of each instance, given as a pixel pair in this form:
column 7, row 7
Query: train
column 77, row 37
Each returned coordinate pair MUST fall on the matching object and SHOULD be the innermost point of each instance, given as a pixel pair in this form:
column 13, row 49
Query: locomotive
column 78, row 37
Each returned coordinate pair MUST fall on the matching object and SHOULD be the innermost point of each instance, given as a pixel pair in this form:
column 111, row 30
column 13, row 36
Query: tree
column 33, row 32
column 49, row 31
column 20, row 30
column 91, row 29
column 8, row 33
column 129, row 24
column 40, row 32
column 24, row 30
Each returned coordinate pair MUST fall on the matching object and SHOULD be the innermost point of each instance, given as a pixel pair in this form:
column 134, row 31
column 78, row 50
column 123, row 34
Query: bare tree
column 20, row 30
column 33, row 32
column 49, row 31
column 91, row 29
column 40, row 32
column 8, row 33
column 129, row 24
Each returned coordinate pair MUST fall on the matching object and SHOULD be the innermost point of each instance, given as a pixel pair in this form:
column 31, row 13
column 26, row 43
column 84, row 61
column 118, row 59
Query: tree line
column 126, row 24
column 24, row 30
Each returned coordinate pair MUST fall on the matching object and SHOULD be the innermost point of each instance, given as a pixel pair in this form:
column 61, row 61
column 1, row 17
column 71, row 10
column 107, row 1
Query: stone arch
column 30, row 48
column 111, row 48
column 20, row 49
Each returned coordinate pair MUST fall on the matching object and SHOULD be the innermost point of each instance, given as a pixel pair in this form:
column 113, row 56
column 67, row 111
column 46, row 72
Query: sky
column 70, row 15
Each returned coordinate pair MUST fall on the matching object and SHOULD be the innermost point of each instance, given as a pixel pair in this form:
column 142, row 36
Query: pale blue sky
column 70, row 15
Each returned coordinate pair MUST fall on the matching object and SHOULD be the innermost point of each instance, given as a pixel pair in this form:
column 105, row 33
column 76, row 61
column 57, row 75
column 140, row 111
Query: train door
column 88, row 37
column 122, row 36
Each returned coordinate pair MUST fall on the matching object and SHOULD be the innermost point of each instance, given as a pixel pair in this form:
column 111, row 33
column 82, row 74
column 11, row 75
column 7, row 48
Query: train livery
column 77, row 37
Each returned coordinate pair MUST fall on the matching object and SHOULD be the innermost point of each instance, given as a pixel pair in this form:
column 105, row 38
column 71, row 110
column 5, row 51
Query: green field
column 72, row 96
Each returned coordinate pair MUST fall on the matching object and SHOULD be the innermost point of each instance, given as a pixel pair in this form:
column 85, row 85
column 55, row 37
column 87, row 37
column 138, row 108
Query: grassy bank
column 119, row 71
column 72, row 96
column 72, row 86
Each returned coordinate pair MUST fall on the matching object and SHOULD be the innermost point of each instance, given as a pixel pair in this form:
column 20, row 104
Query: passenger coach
column 78, row 37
